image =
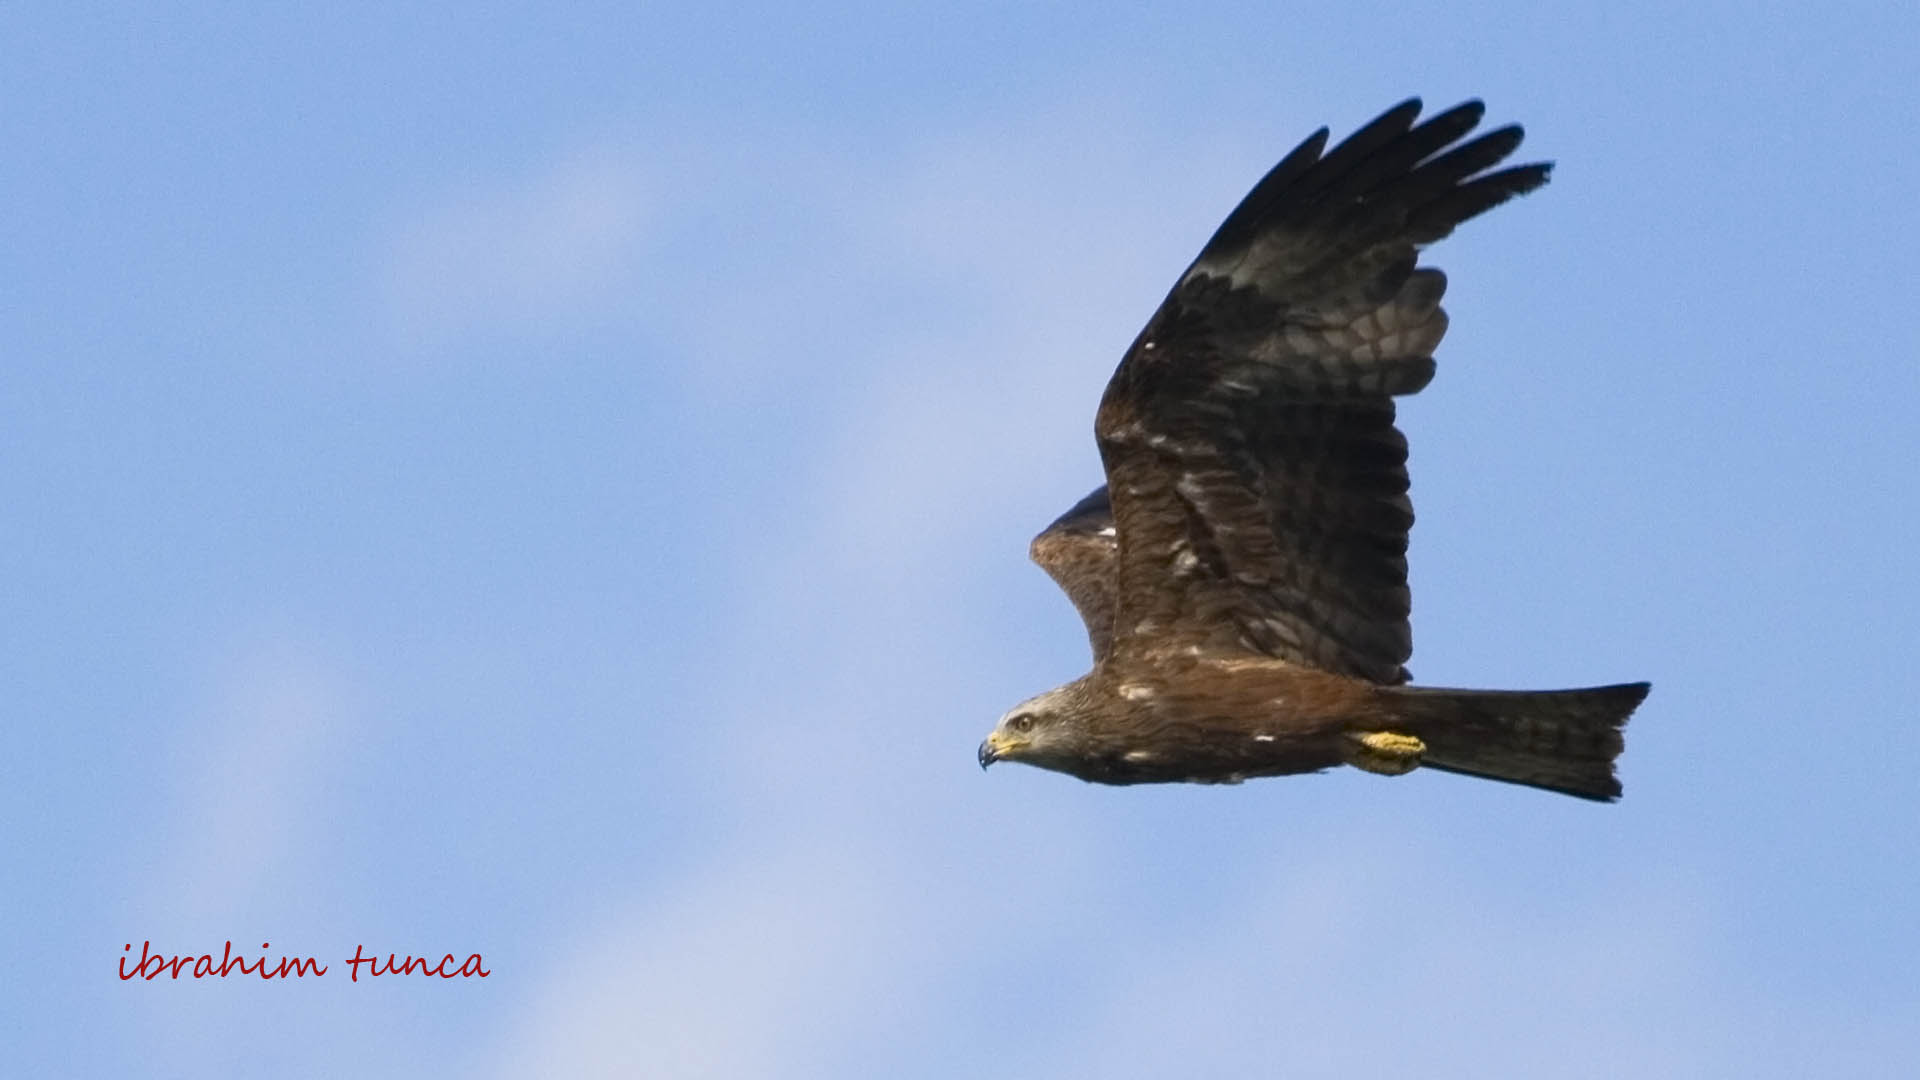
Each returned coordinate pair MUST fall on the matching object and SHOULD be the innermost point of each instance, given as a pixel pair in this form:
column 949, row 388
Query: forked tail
column 1559, row 740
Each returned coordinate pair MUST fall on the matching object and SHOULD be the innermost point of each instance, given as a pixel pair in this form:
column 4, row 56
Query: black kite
column 1243, row 574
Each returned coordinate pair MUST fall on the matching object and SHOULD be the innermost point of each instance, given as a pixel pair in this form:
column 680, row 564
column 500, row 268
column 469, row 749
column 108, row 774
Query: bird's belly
column 1221, row 758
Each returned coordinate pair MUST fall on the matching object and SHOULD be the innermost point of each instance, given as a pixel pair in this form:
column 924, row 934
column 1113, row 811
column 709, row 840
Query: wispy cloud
column 757, row 967
column 252, row 779
column 1356, row 963
column 813, row 921
column 494, row 254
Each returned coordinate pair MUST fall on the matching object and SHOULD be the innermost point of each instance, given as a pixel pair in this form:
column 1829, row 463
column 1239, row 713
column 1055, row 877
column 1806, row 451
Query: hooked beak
column 1000, row 746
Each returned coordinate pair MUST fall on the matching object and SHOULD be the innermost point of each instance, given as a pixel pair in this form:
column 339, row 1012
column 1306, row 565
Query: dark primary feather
column 1257, row 480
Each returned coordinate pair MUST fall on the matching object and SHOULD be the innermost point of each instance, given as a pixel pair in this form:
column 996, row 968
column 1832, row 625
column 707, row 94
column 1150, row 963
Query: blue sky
column 553, row 482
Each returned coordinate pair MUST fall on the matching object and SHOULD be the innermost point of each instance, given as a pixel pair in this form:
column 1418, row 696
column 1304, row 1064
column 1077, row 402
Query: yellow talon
column 1388, row 753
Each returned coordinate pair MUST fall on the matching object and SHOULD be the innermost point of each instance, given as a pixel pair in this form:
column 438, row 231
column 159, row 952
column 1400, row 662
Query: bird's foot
column 1388, row 753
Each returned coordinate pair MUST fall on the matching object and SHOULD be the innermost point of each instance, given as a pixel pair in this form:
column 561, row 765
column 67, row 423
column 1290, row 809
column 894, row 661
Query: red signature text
column 412, row 964
column 152, row 965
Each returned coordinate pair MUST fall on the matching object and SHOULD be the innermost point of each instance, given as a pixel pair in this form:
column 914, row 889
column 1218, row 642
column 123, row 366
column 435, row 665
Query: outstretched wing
column 1080, row 552
column 1258, row 482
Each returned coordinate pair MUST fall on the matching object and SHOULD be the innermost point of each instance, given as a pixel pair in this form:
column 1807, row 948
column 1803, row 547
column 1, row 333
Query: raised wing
column 1080, row 552
column 1258, row 483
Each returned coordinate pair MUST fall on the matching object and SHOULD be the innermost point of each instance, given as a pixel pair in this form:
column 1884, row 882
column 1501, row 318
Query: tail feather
column 1559, row 740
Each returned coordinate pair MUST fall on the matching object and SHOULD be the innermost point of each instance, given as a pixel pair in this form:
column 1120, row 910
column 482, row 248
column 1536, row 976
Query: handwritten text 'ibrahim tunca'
column 152, row 965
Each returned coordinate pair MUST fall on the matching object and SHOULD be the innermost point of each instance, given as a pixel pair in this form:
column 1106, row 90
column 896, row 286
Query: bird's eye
column 1022, row 723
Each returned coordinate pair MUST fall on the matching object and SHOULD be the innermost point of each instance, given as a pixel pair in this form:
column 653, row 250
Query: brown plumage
column 1243, row 573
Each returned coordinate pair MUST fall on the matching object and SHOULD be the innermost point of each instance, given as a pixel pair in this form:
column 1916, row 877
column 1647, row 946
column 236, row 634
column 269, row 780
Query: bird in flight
column 1243, row 573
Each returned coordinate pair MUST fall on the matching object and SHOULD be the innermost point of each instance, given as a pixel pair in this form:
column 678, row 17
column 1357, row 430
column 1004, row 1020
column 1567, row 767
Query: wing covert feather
column 1080, row 553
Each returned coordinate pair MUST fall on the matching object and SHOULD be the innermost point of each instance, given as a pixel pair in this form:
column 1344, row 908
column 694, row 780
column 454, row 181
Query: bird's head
column 1046, row 731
